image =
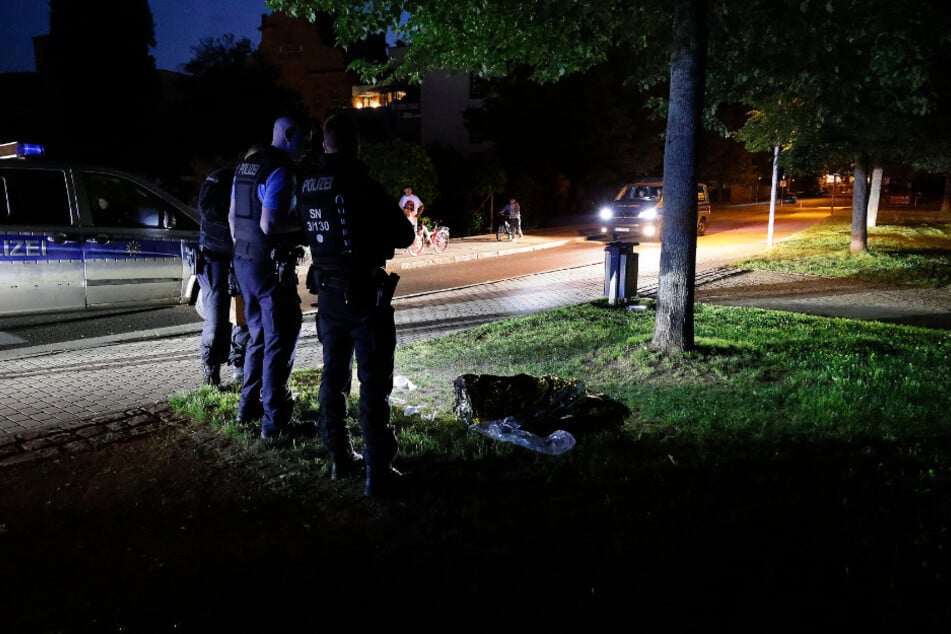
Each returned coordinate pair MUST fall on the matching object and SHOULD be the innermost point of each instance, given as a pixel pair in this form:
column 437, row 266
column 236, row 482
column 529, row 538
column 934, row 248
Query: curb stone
column 54, row 442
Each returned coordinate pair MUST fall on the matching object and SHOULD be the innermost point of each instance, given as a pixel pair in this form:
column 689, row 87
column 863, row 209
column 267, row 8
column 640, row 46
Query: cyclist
column 513, row 211
column 412, row 207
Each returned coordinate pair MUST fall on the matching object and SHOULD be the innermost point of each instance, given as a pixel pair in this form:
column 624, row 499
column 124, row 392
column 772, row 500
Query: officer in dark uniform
column 221, row 341
column 267, row 241
column 353, row 227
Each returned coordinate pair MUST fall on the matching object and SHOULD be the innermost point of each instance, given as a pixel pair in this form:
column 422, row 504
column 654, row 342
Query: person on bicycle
column 513, row 211
column 412, row 207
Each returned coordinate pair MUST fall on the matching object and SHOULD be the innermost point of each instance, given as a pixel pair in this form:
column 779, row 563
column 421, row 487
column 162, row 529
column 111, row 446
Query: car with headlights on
column 637, row 211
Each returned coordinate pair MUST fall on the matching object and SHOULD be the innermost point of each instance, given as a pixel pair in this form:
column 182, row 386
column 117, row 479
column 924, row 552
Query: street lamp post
column 835, row 178
column 772, row 197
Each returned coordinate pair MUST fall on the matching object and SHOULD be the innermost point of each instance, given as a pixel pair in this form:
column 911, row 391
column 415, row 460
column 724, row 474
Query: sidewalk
column 478, row 247
column 830, row 297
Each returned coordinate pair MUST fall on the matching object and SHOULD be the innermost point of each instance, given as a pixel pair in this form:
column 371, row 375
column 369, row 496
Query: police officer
column 353, row 227
column 221, row 341
column 266, row 248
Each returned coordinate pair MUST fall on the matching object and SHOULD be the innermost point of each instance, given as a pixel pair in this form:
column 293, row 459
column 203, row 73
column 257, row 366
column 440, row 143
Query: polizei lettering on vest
column 318, row 184
column 247, row 169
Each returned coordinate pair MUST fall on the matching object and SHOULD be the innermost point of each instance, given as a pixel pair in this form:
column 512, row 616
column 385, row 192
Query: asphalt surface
column 83, row 393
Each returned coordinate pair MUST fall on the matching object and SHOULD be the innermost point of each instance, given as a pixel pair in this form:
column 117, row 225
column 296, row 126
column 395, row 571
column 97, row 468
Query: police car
column 77, row 237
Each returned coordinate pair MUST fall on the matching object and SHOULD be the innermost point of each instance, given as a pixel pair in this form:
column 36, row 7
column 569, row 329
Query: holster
column 196, row 260
column 387, row 289
column 234, row 289
column 313, row 279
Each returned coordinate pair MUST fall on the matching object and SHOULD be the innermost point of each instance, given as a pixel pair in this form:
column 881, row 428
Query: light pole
column 772, row 197
column 835, row 178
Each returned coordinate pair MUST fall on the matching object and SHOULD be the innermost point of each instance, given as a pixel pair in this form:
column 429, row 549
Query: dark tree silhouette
column 565, row 144
column 231, row 97
column 103, row 88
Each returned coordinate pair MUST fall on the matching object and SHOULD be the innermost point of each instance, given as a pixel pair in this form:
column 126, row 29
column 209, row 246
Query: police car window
column 34, row 197
column 118, row 202
column 149, row 210
column 109, row 209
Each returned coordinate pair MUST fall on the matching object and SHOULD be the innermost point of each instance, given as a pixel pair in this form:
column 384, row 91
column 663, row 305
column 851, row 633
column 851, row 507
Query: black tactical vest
column 249, row 240
column 322, row 207
column 214, row 200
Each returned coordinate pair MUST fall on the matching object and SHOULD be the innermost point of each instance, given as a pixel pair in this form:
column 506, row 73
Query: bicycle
column 438, row 239
column 505, row 228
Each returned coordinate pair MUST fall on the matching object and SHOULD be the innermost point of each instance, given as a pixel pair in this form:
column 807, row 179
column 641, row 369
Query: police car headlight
column 648, row 214
column 606, row 213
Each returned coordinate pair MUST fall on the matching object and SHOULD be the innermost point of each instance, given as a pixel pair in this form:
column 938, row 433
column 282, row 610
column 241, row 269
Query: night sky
column 179, row 25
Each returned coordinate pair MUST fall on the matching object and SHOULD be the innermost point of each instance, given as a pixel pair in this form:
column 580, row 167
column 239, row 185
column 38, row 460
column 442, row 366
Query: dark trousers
column 221, row 342
column 362, row 329
column 272, row 311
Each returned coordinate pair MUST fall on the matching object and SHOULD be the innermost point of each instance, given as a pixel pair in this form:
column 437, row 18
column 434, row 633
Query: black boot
column 382, row 481
column 346, row 465
column 212, row 374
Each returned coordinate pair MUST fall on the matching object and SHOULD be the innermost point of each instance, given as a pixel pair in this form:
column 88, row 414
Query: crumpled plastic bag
column 509, row 430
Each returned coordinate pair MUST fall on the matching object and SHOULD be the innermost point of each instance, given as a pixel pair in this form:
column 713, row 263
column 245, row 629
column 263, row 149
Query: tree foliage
column 555, row 38
column 858, row 90
column 230, row 97
column 626, row 142
column 396, row 164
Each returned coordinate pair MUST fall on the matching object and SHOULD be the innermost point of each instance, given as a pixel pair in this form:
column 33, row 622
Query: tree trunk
column 859, row 242
column 875, row 194
column 946, row 202
column 673, row 325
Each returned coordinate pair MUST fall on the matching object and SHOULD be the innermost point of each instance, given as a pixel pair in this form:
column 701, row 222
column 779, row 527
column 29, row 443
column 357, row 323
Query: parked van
column 76, row 237
column 637, row 210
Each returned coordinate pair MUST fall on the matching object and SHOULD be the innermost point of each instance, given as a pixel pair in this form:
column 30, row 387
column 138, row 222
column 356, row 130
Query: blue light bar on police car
column 16, row 149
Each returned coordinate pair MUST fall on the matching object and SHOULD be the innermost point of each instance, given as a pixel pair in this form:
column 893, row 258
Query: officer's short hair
column 340, row 134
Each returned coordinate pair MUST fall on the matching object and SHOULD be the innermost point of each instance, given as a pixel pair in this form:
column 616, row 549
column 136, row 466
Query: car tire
column 701, row 226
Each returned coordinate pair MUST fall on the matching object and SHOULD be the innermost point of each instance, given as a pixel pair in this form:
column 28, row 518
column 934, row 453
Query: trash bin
column 620, row 271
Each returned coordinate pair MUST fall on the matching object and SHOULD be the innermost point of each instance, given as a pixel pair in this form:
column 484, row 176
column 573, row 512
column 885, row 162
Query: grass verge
column 905, row 251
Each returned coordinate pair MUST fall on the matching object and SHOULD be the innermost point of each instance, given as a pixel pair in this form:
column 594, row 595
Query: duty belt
column 340, row 281
column 335, row 282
